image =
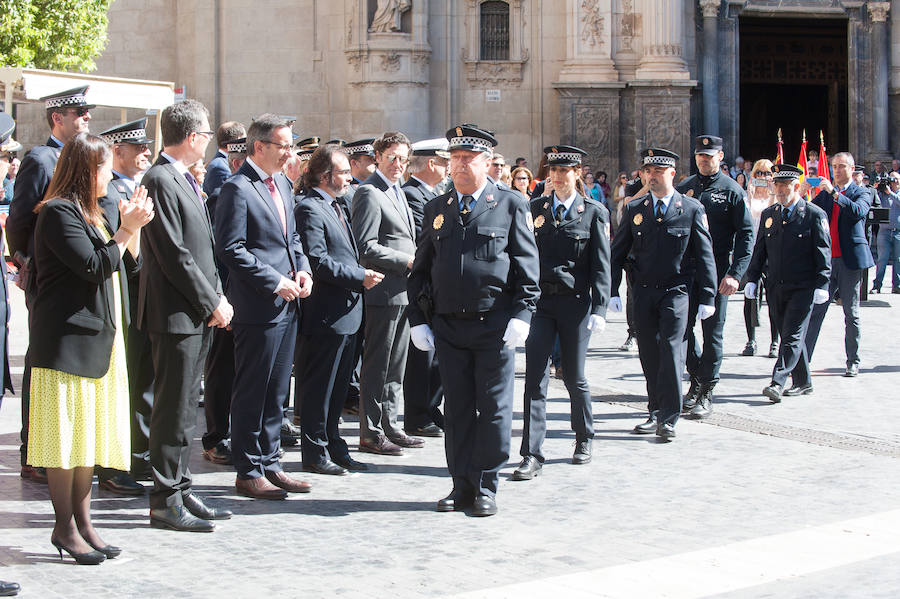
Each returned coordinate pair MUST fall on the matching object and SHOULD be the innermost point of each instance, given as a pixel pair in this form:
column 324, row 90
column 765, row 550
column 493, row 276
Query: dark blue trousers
column 793, row 309
column 219, row 387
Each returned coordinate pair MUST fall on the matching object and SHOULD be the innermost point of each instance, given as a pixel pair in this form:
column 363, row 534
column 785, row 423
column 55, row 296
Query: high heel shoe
column 110, row 551
column 91, row 558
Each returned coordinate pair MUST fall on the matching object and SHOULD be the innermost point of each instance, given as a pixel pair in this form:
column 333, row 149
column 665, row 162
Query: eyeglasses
column 500, row 164
column 762, row 173
column 207, row 134
column 82, row 111
column 282, row 147
column 398, row 159
column 521, row 178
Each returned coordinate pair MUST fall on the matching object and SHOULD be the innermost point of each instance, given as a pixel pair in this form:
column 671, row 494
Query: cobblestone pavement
column 798, row 499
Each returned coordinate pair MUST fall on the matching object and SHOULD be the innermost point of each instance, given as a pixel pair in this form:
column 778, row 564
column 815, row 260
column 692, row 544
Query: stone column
column 878, row 13
column 710, row 76
column 663, row 56
column 894, row 90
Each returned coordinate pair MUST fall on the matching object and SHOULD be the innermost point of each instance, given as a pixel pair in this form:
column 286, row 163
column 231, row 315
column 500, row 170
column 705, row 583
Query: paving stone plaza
column 798, row 499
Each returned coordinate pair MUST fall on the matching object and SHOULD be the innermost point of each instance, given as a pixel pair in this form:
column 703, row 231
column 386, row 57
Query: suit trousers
column 177, row 363
column 703, row 362
column 139, row 360
column 792, row 311
column 219, row 380
column 888, row 242
column 26, row 408
column 844, row 284
column 383, row 368
column 566, row 316
column 661, row 319
column 324, row 366
column 422, row 390
column 478, row 371
column 263, row 357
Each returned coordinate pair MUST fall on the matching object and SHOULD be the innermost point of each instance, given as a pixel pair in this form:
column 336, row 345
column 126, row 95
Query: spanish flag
column 802, row 164
column 822, row 168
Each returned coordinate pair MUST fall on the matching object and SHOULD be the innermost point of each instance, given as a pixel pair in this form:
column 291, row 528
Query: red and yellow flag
column 801, row 162
column 779, row 154
column 822, row 167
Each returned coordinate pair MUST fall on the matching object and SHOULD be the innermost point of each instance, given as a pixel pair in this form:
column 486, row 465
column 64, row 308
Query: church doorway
column 793, row 75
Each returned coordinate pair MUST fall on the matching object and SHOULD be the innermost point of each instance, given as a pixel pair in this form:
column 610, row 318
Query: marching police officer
column 572, row 235
column 473, row 289
column 794, row 241
column 664, row 231
column 731, row 229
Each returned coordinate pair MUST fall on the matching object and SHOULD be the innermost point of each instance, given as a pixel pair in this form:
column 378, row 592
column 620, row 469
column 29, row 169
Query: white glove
column 615, row 304
column 705, row 312
column 750, row 290
column 422, row 337
column 820, row 296
column 516, row 333
column 596, row 323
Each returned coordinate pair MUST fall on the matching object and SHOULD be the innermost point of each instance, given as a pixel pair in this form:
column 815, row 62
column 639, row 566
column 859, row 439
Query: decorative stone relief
column 662, row 126
column 878, row 11
column 592, row 133
column 710, row 8
column 388, row 15
column 390, row 62
column 591, row 23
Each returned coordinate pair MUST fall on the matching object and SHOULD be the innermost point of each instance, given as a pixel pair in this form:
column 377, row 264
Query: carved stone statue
column 388, row 14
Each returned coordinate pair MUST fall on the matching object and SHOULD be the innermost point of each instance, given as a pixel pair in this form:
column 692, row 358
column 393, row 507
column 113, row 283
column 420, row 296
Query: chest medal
column 438, row 222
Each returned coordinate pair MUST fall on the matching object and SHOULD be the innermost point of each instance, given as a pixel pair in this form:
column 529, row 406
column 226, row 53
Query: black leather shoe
column 325, row 467
column 773, row 392
column 704, row 402
column 289, row 429
column 350, row 464
column 484, row 506
column 852, row 370
column 404, row 440
column 749, row 349
column 122, row 484
column 89, row 558
column 646, row 428
column 665, row 431
column 798, row 390
column 582, row 453
column 456, row 501
column 176, row 517
column 629, row 344
column 196, row 506
column 690, row 398
column 220, row 454
column 9, row 589
column 431, row 430
column 528, row 469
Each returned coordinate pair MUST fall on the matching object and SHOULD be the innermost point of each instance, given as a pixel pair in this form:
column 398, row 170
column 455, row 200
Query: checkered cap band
column 120, row 136
column 363, row 149
column 659, row 161
column 567, row 156
column 238, row 147
column 73, row 100
column 305, row 157
column 477, row 142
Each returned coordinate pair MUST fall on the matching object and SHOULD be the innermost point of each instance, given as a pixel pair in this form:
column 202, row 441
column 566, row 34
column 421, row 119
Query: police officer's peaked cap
column 658, row 157
column 361, row 147
column 786, row 172
column 564, row 155
column 134, row 132
column 465, row 137
column 708, row 144
column 70, row 98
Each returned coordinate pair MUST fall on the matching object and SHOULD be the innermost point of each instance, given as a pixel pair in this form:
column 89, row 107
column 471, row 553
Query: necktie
column 560, row 211
column 660, row 210
column 279, row 205
column 467, row 208
column 340, row 215
column 190, row 179
column 400, row 198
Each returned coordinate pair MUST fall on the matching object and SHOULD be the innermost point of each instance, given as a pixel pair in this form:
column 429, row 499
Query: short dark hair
column 180, row 120
column 388, row 139
column 261, row 130
column 229, row 131
column 320, row 164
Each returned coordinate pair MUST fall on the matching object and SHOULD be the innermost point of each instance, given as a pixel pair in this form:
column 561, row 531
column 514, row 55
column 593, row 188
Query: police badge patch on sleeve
column 529, row 221
column 704, row 221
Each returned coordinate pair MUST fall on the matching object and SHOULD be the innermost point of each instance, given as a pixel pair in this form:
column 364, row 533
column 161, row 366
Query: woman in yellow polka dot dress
column 79, row 384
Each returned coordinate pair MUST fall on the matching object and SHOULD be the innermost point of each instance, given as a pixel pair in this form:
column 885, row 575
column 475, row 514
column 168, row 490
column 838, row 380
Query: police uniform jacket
column 489, row 264
column 574, row 255
column 854, row 204
column 31, row 184
column 662, row 252
column 730, row 224
column 797, row 250
column 217, row 172
column 417, row 195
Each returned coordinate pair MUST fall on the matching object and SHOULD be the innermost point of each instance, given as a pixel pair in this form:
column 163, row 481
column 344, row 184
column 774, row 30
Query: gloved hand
column 705, row 312
column 422, row 337
column 615, row 304
column 516, row 333
column 820, row 296
column 750, row 290
column 596, row 323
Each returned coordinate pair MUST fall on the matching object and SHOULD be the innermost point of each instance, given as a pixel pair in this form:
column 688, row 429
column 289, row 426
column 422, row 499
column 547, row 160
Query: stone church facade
column 610, row 76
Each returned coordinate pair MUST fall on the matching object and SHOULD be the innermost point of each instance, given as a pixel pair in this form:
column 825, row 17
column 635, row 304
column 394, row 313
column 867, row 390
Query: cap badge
column 705, row 141
column 438, row 222
column 554, row 150
column 459, row 131
column 638, row 219
column 649, row 152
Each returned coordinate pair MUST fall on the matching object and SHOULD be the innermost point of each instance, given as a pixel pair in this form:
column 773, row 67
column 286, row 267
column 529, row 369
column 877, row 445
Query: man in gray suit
column 383, row 226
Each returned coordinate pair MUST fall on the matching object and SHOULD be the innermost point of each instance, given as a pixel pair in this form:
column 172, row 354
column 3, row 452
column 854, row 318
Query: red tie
column 835, row 238
column 279, row 205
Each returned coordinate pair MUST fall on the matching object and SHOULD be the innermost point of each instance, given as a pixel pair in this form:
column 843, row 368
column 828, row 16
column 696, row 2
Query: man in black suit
column 422, row 389
column 384, row 229
column 267, row 273
column 180, row 298
column 131, row 157
column 68, row 114
column 217, row 170
column 332, row 315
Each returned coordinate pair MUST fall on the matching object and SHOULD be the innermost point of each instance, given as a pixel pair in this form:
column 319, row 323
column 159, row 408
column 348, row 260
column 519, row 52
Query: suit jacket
column 250, row 243
column 217, row 172
column 417, row 195
column 854, row 204
column 336, row 303
column 31, row 185
column 4, row 322
column 385, row 233
column 179, row 288
column 73, row 317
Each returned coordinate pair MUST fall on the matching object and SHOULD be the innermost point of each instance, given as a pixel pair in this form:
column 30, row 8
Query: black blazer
column 335, row 305
column 417, row 195
column 73, row 318
column 31, row 184
column 180, row 286
column 4, row 322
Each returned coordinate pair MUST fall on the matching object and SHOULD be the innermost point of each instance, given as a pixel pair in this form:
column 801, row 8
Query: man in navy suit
column 267, row 273
column 332, row 315
column 846, row 205
column 217, row 170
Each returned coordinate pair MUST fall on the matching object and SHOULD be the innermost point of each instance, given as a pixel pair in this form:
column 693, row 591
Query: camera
column 882, row 182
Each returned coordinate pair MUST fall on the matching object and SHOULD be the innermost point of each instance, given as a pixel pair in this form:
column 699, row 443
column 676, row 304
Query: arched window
column 494, row 30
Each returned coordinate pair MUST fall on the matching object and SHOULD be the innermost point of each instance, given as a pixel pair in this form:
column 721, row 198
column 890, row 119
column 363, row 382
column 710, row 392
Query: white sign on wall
column 492, row 95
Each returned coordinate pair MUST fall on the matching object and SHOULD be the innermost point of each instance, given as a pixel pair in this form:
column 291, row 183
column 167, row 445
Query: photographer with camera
column 888, row 235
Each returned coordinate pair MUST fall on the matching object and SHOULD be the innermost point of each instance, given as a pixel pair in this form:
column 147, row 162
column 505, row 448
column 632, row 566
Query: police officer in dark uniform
column 572, row 235
column 475, row 280
column 362, row 161
column 794, row 244
column 731, row 229
column 666, row 234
